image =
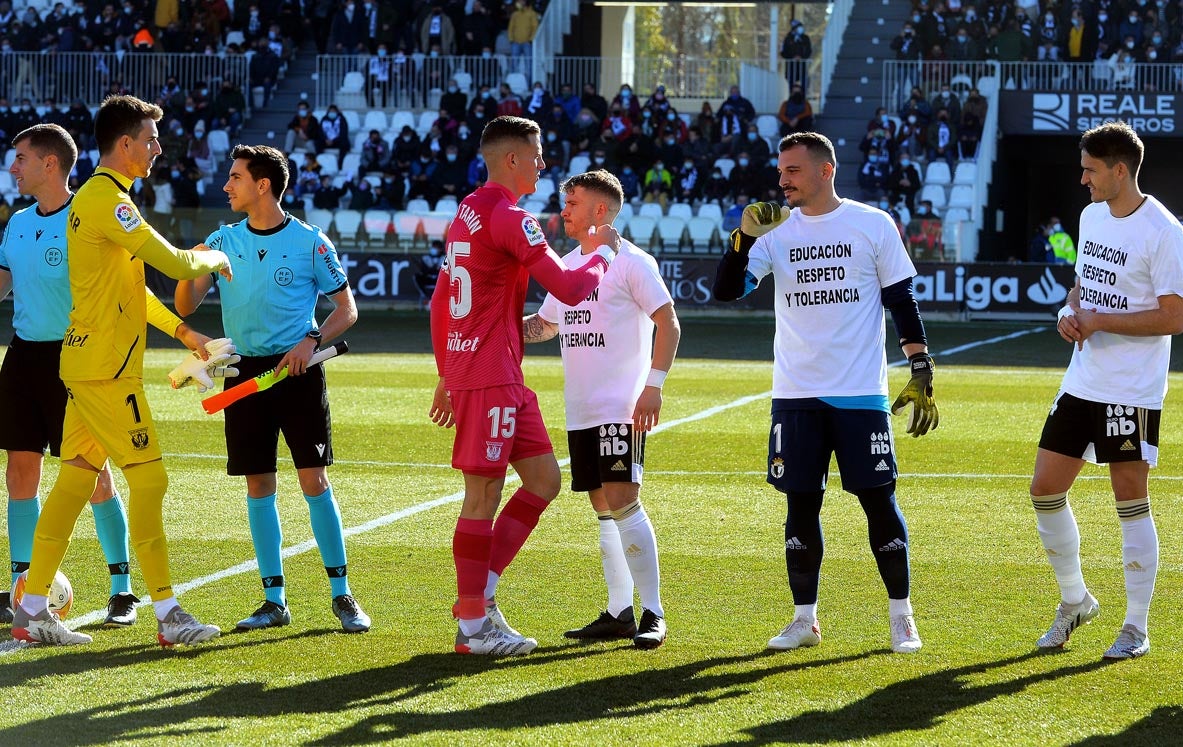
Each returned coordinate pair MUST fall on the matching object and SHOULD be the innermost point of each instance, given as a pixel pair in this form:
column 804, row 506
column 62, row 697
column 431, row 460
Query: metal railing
column 1102, row 75
column 831, row 44
column 91, row 76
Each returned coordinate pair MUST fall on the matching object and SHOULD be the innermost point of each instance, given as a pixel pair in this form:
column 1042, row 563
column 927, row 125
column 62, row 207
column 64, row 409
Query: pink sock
column 470, row 551
column 517, row 520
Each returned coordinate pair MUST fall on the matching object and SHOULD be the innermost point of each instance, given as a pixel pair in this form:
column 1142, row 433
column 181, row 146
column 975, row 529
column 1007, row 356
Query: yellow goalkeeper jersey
column 108, row 243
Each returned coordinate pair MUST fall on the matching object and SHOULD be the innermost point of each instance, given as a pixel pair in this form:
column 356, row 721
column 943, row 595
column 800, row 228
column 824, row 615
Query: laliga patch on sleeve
column 533, row 231
column 127, row 217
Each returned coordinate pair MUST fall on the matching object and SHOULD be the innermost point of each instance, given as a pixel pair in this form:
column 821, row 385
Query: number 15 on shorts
column 502, row 421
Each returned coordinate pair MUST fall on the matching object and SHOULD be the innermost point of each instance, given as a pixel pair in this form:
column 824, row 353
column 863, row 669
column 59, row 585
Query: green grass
column 981, row 586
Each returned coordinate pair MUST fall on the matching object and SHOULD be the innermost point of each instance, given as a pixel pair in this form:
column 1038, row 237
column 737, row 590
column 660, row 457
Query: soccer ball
column 61, row 593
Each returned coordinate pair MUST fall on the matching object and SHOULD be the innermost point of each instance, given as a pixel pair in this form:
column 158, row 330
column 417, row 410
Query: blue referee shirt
column 34, row 252
column 278, row 276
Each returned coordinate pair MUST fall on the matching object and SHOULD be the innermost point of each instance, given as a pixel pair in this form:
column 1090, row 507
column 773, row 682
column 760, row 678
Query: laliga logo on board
column 1050, row 112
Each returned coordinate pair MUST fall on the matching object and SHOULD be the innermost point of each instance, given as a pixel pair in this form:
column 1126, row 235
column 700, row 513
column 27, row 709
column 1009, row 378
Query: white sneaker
column 904, row 638
column 801, row 633
column 492, row 641
column 179, row 626
column 45, row 627
column 1068, row 619
column 1130, row 644
column 493, row 612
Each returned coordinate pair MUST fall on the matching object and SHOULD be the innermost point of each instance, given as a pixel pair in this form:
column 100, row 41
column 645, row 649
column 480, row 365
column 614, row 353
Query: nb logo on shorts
column 139, row 439
column 613, row 446
column 1116, row 424
column 880, row 443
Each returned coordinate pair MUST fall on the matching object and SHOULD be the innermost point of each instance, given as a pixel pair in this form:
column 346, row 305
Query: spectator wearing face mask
column 304, row 131
column 523, row 25
column 335, row 133
column 916, row 107
column 327, row 196
column 755, row 146
column 554, row 154
column 379, row 77
column 740, row 105
column 903, row 183
column 715, row 188
column 963, row 48
column 907, row 46
column 1051, row 38
column 658, row 103
column 422, row 177
column 797, row 50
column 686, row 184
column 585, row 131
column 659, row 184
column 796, row 113
column 627, row 103
column 946, row 99
column 745, row 175
column 538, row 102
column 1081, row 42
column 428, row 270
column 375, row 153
column 348, row 32
column 670, row 152
column 454, row 101
column 942, row 138
column 1131, row 28
column 1063, row 249
column 872, row 175
column 672, row 125
column 1039, row 249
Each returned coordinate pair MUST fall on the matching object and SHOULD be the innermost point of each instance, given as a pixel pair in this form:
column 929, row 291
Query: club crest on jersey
column 533, row 231
column 127, row 217
column 139, row 438
column 493, row 450
column 54, row 256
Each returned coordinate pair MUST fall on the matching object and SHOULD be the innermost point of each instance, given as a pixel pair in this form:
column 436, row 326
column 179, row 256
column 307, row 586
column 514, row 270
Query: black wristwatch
column 314, row 335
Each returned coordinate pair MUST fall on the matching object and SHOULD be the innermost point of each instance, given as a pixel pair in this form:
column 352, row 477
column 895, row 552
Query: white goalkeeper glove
column 201, row 373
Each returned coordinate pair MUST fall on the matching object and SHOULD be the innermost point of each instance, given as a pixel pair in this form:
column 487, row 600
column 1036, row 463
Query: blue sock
column 22, row 522
column 110, row 523
column 330, row 539
column 888, row 534
column 263, row 515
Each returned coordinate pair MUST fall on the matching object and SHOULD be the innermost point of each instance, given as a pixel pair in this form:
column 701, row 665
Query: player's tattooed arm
column 537, row 329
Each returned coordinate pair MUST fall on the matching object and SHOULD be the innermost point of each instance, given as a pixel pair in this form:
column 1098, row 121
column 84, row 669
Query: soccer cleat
column 1130, row 644
column 606, row 626
column 493, row 612
column 45, row 627
column 349, row 612
column 178, row 626
column 269, row 615
column 492, row 641
column 1069, row 617
column 121, row 610
column 904, row 638
column 5, row 608
column 801, row 633
column 651, row 631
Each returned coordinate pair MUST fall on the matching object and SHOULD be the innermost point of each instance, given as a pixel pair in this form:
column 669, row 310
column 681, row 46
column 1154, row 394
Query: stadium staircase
column 268, row 125
column 856, row 85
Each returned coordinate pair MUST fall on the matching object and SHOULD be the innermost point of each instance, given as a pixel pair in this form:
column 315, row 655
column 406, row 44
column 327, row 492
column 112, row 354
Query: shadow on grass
column 910, row 705
column 1164, row 725
column 187, row 711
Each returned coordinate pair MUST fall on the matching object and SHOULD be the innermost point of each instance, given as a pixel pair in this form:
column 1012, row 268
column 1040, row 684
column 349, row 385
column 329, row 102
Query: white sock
column 1139, row 555
column 470, row 627
column 34, row 604
column 164, row 606
column 640, row 552
column 491, row 586
column 616, row 572
column 899, row 606
column 1061, row 539
column 806, row 612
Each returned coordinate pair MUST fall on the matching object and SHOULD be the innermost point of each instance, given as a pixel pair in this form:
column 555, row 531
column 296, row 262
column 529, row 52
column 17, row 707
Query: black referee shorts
column 298, row 407
column 32, row 397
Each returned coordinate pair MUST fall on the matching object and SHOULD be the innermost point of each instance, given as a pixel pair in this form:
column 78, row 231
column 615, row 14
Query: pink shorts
column 496, row 427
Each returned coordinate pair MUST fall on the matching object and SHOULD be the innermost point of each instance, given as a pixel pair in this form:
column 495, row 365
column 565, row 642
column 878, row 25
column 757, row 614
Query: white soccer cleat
column 904, row 638
column 45, row 627
column 178, row 626
column 1130, row 644
column 1069, row 617
column 801, row 633
column 493, row 612
column 492, row 641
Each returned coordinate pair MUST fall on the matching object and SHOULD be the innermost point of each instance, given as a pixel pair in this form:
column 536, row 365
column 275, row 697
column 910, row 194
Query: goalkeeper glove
column 194, row 370
column 761, row 217
column 918, row 393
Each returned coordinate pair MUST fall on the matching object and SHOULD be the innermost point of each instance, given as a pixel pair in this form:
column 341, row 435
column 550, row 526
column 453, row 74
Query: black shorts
column 298, row 407
column 802, row 440
column 32, row 397
column 1101, row 432
column 612, row 452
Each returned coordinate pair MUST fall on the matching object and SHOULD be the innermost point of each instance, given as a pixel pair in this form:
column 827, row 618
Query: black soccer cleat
column 606, row 627
column 5, row 608
column 651, row 632
column 121, row 610
column 269, row 615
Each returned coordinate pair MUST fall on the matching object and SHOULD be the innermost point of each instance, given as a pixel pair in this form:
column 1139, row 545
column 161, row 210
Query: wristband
column 656, row 377
column 1066, row 311
column 606, row 252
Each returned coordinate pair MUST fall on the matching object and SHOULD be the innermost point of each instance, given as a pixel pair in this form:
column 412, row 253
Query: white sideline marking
column 250, row 565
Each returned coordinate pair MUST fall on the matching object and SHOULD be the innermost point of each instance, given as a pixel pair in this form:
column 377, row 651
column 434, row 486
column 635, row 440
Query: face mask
column 971, row 16
column 625, row 93
column 452, row 89
column 406, row 138
column 772, row 162
column 911, row 119
column 1057, row 228
column 462, row 132
column 915, row 19
column 1152, row 55
column 752, row 137
column 659, row 167
column 1129, row 45
column 26, row 108
column 381, row 52
column 479, row 115
column 628, row 170
column 962, row 38
column 289, row 199
column 178, row 132
column 647, row 114
column 687, row 166
column 175, row 174
column 743, row 162
column 254, row 14
column 883, row 119
column 451, row 157
column 424, row 160
column 550, row 138
column 486, row 55
column 599, row 160
column 1157, row 40
column 905, row 163
column 1102, row 17
column 717, row 175
column 883, row 205
column 304, row 113
column 671, row 116
column 922, row 211
column 944, row 94
column 332, row 116
column 434, row 53
column 1133, row 19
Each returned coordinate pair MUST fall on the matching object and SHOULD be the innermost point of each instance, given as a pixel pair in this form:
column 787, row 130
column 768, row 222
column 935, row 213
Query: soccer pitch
column 982, row 590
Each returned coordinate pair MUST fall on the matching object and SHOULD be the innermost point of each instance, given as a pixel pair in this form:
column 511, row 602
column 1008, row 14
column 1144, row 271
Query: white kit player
column 1120, row 317
column 836, row 264
column 613, row 371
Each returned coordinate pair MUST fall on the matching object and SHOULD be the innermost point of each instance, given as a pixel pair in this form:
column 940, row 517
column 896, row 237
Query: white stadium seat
column 681, row 210
column 967, row 173
column 640, row 230
column 935, row 193
column 669, row 232
column 347, row 223
column 962, row 196
column 937, row 173
column 702, row 233
column 652, row 210
column 711, row 210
